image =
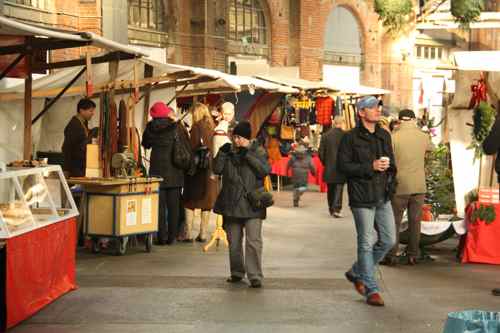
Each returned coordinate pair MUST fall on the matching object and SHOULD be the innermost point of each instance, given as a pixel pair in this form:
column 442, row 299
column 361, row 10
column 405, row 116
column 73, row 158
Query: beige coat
column 410, row 144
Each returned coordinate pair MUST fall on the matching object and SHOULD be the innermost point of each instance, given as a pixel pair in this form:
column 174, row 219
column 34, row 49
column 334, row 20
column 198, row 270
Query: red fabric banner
column 40, row 268
column 481, row 243
column 279, row 168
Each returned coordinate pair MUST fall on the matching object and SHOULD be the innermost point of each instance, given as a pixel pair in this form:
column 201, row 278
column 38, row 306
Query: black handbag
column 181, row 154
column 258, row 198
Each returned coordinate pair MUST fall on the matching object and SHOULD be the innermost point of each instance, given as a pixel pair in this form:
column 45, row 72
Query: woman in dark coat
column 160, row 136
column 243, row 167
column 201, row 189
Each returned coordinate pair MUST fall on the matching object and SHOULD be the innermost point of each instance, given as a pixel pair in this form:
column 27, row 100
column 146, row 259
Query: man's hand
column 380, row 165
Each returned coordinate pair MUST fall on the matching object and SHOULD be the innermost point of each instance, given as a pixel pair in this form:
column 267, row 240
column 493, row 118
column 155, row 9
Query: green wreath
column 484, row 118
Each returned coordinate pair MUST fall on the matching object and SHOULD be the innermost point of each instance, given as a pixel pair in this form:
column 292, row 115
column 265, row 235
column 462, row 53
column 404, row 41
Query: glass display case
column 33, row 198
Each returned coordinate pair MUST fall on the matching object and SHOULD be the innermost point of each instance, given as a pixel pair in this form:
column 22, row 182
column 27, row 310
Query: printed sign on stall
column 131, row 213
column 146, row 211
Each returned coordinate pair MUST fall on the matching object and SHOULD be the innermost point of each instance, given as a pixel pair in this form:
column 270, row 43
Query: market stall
column 37, row 211
column 469, row 119
column 37, row 226
column 302, row 118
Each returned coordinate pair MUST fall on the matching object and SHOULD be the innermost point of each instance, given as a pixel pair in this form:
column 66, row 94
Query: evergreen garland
column 484, row 118
column 484, row 213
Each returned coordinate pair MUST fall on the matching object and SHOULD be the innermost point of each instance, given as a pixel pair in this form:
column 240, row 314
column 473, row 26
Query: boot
column 189, row 225
column 205, row 219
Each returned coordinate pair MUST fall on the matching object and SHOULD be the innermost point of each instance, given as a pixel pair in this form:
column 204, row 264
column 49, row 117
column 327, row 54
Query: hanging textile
column 273, row 149
column 479, row 93
column 313, row 117
column 123, row 139
column 113, row 129
column 324, row 108
column 104, row 139
column 134, row 136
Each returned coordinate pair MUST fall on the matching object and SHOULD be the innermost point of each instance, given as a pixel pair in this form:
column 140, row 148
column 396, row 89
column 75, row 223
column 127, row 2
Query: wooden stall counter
column 118, row 208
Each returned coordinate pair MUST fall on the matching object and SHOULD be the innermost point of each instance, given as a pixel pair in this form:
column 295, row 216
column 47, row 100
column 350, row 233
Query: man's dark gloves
column 226, row 148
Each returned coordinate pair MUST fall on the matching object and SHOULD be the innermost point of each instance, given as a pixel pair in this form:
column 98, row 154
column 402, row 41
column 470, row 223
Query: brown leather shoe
column 358, row 285
column 375, row 300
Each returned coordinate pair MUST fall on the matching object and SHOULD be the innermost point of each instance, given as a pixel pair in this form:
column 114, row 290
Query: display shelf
column 32, row 198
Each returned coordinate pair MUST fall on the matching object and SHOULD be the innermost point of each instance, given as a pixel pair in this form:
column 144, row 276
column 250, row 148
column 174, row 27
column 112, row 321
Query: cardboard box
column 93, row 161
column 488, row 195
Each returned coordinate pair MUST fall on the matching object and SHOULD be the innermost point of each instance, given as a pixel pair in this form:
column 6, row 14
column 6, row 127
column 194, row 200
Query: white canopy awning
column 207, row 80
column 359, row 89
column 295, row 82
column 488, row 61
column 224, row 82
column 12, row 27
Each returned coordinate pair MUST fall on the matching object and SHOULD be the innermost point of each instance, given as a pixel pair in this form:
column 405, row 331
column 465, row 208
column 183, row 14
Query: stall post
column 28, row 83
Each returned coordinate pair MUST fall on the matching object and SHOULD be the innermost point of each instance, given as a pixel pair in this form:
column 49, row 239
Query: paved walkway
column 181, row 289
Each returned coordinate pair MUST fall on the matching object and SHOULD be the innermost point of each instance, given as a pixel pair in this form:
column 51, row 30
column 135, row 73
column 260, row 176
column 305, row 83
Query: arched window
column 247, row 22
column 146, row 14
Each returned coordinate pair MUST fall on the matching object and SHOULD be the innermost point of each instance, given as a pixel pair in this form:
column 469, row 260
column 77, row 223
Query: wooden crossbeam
column 121, row 87
column 41, row 44
column 81, row 62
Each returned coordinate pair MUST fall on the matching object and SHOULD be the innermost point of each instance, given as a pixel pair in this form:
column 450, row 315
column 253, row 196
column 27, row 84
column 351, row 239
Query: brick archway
column 314, row 19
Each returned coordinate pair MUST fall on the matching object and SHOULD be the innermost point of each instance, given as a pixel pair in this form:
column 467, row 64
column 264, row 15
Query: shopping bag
column 287, row 132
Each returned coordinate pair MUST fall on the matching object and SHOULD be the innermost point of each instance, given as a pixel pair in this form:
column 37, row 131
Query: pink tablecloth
column 279, row 168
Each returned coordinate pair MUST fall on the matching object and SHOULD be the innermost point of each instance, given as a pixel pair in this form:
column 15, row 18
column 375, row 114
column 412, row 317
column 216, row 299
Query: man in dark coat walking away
column 76, row 137
column 328, row 149
column 367, row 159
column 160, row 135
column 243, row 166
column 491, row 145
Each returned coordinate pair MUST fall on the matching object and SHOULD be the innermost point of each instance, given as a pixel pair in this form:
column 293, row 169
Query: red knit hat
column 160, row 110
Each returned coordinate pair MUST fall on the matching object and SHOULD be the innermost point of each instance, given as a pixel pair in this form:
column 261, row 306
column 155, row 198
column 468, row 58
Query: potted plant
column 439, row 180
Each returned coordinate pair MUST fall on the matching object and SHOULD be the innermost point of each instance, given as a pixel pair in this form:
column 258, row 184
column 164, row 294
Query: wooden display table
column 119, row 208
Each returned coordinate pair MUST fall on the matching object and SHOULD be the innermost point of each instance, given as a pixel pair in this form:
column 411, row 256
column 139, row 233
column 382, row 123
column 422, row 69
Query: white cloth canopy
column 15, row 28
column 487, row 61
column 316, row 85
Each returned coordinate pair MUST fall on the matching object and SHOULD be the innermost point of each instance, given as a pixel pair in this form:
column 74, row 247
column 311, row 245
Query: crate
column 488, row 195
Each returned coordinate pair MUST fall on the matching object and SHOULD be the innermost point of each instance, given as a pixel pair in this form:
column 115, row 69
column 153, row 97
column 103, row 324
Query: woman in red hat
column 160, row 135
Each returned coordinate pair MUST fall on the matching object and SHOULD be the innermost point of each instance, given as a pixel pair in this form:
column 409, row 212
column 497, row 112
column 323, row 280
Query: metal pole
column 55, row 99
column 11, row 66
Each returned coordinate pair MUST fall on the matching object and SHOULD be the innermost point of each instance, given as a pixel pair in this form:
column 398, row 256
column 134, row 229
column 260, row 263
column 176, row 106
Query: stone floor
column 181, row 289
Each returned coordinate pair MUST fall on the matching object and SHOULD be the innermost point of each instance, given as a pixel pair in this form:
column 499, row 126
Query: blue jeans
column 370, row 223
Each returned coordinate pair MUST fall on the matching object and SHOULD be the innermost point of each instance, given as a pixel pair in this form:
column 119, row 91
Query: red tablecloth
column 482, row 243
column 279, row 168
column 40, row 267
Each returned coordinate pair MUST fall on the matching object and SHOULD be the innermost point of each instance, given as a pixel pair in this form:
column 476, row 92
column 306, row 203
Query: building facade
column 311, row 39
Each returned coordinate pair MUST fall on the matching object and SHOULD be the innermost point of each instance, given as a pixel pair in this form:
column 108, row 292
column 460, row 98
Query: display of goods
column 466, row 11
column 15, row 213
column 484, row 118
column 26, row 164
column 488, row 195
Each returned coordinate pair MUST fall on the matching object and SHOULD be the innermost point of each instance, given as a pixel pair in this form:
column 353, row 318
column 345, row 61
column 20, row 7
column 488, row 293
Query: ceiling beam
column 81, row 62
column 41, row 44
